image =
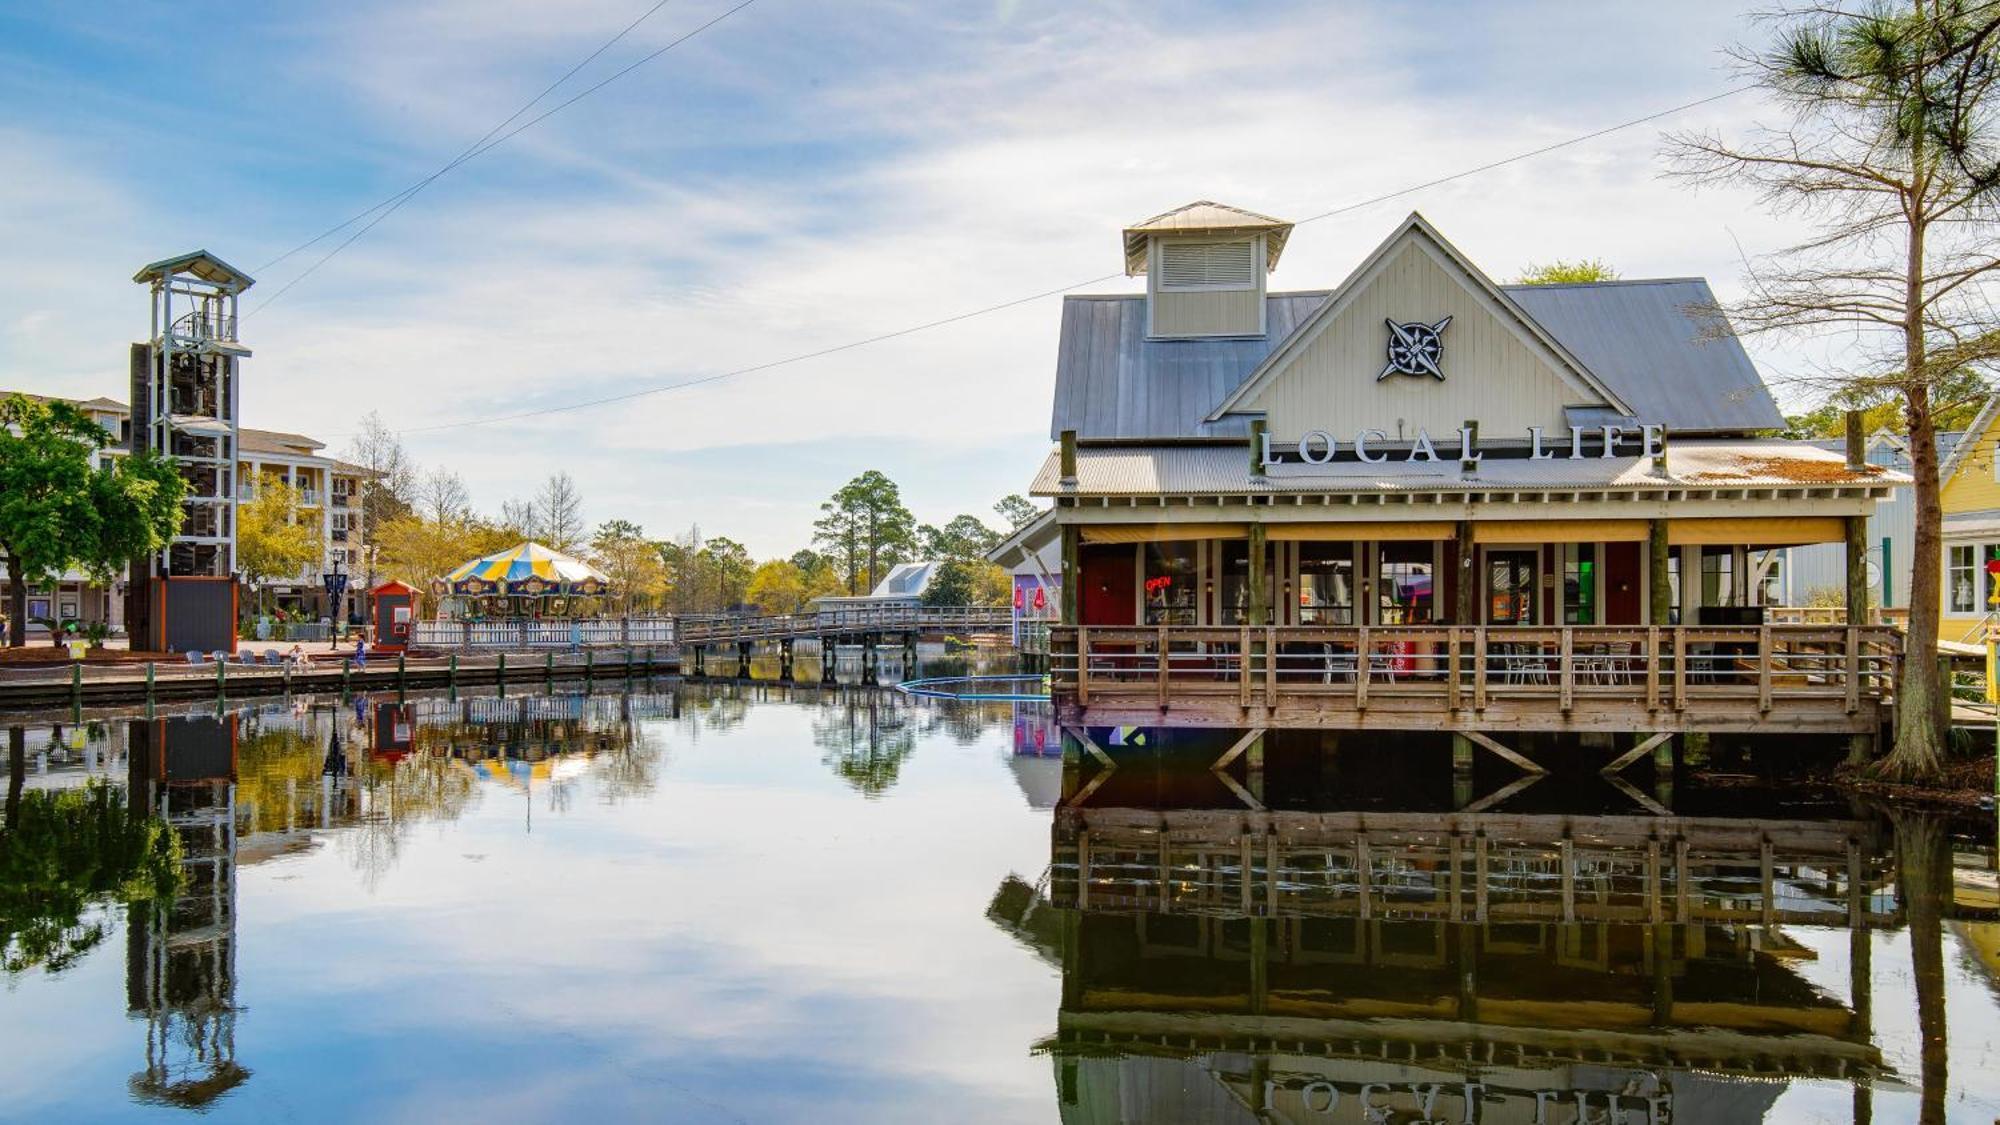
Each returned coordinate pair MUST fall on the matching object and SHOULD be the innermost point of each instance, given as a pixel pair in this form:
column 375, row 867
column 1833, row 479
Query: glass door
column 1510, row 587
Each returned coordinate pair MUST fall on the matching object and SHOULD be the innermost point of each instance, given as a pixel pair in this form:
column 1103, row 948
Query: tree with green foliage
column 277, row 536
column 64, row 508
column 1890, row 147
column 1562, row 271
column 867, row 528
column 1017, row 510
column 62, row 851
column 951, row 585
column 632, row 562
column 963, row 538
column 728, row 566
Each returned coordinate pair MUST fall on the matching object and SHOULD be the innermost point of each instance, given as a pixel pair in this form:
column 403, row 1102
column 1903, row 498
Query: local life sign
column 1374, row 446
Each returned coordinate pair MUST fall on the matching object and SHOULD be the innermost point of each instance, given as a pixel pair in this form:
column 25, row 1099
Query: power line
column 982, row 311
column 486, row 144
column 469, row 149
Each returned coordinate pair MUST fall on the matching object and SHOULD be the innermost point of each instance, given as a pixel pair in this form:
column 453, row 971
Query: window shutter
column 1208, row 265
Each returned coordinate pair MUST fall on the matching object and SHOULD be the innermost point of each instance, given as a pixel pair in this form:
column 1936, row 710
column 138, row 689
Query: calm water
column 747, row 903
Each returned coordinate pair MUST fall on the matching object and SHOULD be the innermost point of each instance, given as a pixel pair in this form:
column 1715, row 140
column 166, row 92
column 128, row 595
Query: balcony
column 206, row 328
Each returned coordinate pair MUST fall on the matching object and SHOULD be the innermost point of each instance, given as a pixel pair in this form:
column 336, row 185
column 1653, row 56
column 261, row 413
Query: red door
column 1110, row 584
column 1624, row 578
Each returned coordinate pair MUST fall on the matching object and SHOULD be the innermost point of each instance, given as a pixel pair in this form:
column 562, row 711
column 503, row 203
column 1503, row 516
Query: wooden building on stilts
column 1421, row 500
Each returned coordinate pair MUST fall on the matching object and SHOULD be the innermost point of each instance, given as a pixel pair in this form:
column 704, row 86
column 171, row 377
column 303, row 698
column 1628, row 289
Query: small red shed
column 393, row 609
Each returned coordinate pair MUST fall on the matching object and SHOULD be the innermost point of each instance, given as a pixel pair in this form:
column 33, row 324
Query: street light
column 336, row 588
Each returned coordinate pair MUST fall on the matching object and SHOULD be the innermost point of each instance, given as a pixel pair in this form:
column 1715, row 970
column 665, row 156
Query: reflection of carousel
column 524, row 582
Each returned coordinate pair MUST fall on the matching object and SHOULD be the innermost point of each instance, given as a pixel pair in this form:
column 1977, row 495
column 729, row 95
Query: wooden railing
column 1570, row 675
column 1471, row 868
column 585, row 632
column 844, row 619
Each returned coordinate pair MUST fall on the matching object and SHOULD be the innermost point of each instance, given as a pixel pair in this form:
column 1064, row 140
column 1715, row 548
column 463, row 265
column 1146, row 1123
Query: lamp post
column 336, row 589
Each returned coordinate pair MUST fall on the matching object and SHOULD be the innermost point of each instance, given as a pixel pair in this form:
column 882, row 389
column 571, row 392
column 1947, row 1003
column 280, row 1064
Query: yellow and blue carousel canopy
column 528, row 569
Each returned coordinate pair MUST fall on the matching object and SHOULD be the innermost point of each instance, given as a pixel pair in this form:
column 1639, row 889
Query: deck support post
column 1860, row 749
column 1258, row 614
column 1661, row 598
column 1857, row 570
column 1694, row 748
column 1461, row 770
column 1072, row 549
column 1465, row 600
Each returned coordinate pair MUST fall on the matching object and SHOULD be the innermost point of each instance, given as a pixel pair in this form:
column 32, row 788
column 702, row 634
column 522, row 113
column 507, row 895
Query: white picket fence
column 582, row 632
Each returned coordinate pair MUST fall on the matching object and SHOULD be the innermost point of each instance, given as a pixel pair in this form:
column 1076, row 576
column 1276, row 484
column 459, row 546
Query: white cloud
column 801, row 182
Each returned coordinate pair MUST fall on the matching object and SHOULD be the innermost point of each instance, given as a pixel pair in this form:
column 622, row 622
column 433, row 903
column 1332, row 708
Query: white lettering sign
column 1320, row 447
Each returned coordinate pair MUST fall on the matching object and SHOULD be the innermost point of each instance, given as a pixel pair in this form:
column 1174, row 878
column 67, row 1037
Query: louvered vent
column 1208, row 265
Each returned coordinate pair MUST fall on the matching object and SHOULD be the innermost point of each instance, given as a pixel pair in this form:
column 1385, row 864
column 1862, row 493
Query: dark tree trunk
column 1923, row 864
column 17, row 772
column 17, row 603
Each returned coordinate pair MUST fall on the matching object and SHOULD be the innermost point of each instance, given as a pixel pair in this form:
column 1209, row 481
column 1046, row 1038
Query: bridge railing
column 582, row 632
column 845, row 618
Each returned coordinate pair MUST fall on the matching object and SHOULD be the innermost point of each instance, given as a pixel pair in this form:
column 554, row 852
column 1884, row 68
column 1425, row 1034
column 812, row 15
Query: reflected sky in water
column 760, row 903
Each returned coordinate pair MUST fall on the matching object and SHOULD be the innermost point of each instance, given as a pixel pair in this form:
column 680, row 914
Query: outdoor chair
column 194, row 658
column 219, row 656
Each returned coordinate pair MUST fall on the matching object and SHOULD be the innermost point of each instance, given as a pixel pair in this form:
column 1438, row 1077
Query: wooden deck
column 1790, row 679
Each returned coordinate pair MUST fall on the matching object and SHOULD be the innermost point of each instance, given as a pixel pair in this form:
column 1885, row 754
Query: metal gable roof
column 1417, row 231
column 1661, row 346
column 1113, row 383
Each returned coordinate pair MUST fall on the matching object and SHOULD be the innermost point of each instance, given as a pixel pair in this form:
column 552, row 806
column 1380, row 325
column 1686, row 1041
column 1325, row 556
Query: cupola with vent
column 1205, row 265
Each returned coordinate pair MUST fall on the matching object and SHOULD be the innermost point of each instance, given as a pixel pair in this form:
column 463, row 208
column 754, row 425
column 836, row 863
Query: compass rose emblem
column 1415, row 348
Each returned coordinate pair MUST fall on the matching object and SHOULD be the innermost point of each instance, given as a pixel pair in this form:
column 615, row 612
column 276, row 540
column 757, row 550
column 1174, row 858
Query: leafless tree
column 559, row 513
column 1890, row 151
column 443, row 498
column 390, row 480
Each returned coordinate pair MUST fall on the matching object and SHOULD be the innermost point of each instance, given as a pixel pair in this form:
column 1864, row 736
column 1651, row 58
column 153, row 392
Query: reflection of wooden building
column 1421, row 500
column 1288, row 963
column 181, row 958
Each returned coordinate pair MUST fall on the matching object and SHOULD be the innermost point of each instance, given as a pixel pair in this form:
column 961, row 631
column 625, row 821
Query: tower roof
column 201, row 264
column 1205, row 217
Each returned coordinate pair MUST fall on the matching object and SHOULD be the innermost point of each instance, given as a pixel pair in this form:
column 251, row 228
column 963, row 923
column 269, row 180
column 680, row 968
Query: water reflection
column 699, row 882
column 1248, row 943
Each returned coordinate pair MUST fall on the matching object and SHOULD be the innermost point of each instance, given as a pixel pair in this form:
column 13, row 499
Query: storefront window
column 1718, row 576
column 1326, row 584
column 1403, row 584
column 1674, row 587
column 1235, row 582
column 1959, row 581
column 1579, row 563
column 1171, row 583
column 1510, row 587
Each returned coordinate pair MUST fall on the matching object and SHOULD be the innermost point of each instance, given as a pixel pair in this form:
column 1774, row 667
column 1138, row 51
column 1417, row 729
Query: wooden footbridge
column 866, row 626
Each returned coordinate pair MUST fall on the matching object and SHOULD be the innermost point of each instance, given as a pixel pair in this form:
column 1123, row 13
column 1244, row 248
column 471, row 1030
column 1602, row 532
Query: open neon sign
column 1163, row 582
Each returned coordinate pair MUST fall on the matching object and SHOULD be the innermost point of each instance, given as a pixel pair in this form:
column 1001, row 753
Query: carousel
column 524, row 582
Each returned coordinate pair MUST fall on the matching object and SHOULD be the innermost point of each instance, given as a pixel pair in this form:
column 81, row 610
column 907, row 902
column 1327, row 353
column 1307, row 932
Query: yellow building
column 1971, row 501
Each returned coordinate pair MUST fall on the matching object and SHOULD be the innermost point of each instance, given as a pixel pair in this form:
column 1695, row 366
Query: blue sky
column 799, row 176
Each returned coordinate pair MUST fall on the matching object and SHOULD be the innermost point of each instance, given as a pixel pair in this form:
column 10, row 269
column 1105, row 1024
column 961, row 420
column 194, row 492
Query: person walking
column 360, row 652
